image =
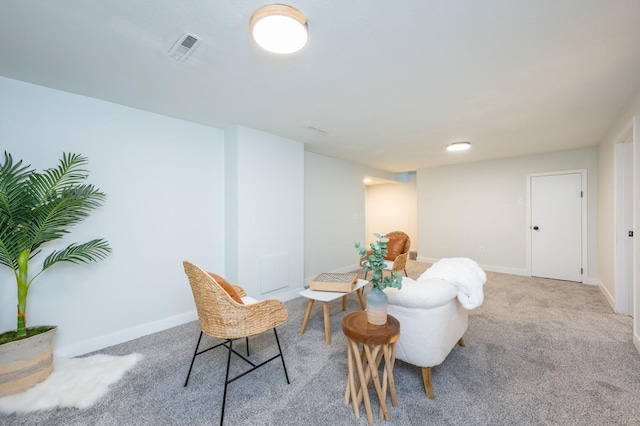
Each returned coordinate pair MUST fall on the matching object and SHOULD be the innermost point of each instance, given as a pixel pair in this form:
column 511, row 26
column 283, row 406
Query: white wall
column 606, row 208
column 393, row 207
column 334, row 197
column 463, row 207
column 265, row 213
column 164, row 181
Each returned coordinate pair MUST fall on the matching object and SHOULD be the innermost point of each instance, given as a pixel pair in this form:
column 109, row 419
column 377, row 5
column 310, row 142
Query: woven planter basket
column 25, row 363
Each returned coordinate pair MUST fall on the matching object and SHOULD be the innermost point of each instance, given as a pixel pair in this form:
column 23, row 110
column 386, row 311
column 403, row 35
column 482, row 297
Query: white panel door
column 624, row 226
column 556, row 226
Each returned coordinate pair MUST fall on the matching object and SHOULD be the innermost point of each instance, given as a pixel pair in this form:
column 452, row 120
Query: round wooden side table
column 367, row 346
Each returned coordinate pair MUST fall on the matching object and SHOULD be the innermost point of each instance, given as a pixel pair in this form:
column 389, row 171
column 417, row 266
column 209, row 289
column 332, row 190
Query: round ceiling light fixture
column 458, row 146
column 279, row 28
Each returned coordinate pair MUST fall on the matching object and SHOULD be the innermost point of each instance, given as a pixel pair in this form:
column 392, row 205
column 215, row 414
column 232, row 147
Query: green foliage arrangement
column 375, row 263
column 36, row 208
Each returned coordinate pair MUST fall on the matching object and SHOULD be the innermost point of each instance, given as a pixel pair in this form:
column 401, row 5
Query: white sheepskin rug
column 75, row 382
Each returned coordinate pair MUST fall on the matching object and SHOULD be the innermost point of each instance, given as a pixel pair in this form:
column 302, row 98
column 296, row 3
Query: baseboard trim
column 490, row 268
column 290, row 294
column 607, row 295
column 591, row 281
column 106, row 340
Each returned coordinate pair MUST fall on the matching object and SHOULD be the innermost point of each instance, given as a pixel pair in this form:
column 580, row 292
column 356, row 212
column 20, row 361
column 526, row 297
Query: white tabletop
column 328, row 296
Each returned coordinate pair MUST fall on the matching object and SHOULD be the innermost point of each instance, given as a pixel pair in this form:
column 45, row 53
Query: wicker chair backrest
column 220, row 316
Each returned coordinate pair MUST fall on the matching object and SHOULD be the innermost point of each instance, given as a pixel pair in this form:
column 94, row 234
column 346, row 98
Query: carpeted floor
column 538, row 352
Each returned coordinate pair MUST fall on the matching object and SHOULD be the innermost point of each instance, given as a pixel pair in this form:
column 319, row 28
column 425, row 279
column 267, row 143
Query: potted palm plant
column 36, row 208
column 376, row 300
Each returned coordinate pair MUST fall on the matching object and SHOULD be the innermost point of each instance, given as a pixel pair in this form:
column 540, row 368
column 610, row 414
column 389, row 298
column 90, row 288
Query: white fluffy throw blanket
column 464, row 274
column 75, row 382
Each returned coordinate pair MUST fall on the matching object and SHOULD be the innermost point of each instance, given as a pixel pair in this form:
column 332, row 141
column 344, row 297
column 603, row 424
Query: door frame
column 584, row 242
column 625, row 296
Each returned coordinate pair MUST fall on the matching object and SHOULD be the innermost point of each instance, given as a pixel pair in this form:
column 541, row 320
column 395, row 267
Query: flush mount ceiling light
column 279, row 28
column 458, row 146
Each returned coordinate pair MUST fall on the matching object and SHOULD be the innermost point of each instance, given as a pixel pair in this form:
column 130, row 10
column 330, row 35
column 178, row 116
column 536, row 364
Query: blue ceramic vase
column 377, row 306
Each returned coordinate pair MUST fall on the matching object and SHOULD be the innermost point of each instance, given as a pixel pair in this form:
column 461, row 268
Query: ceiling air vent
column 184, row 46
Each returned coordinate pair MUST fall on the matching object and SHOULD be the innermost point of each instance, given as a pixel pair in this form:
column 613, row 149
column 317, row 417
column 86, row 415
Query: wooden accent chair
column 223, row 317
column 397, row 252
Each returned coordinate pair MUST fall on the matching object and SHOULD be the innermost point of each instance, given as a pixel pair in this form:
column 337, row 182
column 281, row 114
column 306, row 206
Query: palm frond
column 16, row 202
column 8, row 246
column 91, row 251
column 58, row 200
column 53, row 218
column 13, row 181
column 69, row 173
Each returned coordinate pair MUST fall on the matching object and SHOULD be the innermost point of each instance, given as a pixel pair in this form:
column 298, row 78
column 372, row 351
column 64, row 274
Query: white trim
column 289, row 295
column 591, row 281
column 489, row 268
column 607, row 295
column 585, row 258
column 106, row 340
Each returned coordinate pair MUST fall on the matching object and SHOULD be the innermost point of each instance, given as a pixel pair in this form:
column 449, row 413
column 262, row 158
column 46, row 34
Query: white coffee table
column 326, row 297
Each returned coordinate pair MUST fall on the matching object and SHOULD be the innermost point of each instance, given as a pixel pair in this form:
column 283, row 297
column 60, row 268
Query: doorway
column 382, row 211
column 558, row 225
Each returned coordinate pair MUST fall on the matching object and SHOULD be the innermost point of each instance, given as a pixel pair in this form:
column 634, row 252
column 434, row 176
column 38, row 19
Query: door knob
column 535, row 228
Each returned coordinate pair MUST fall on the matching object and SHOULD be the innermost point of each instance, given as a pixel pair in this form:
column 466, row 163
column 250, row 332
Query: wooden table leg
column 373, row 367
column 387, row 376
column 350, row 392
column 361, row 298
column 305, row 320
column 385, row 381
column 347, row 391
column 392, row 382
column 344, row 303
column 327, row 323
column 376, row 354
column 363, row 383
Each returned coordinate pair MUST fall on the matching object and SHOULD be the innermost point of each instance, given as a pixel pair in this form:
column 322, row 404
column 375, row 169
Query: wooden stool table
column 325, row 297
column 378, row 342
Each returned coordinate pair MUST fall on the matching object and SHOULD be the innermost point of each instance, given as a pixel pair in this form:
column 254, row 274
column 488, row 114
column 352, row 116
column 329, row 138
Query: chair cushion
column 395, row 247
column 227, row 287
column 249, row 300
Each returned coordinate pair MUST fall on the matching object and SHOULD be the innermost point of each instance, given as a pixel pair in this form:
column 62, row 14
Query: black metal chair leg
column 405, row 273
column 195, row 352
column 229, row 345
column 226, row 381
column 281, row 357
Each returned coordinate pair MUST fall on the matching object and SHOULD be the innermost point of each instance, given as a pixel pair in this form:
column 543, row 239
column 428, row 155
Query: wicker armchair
column 223, row 318
column 400, row 262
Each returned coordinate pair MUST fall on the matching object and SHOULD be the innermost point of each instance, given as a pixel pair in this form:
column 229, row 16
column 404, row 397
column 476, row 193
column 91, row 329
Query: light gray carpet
column 538, row 352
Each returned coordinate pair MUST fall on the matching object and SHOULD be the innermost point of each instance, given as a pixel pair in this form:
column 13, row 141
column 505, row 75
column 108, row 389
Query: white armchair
column 432, row 319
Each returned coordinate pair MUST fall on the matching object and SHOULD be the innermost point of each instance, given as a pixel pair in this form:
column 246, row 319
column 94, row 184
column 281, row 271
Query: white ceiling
column 392, row 82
